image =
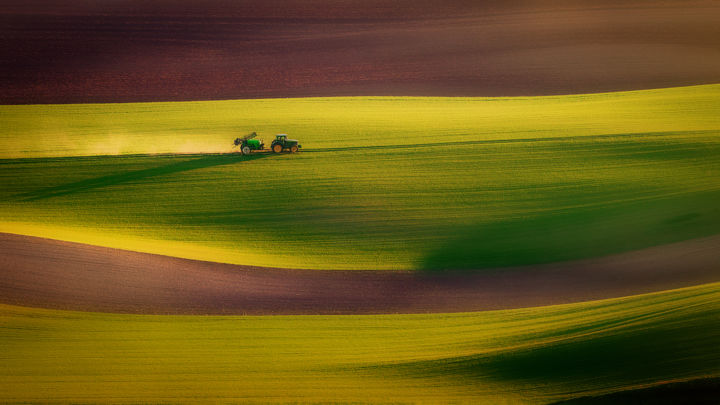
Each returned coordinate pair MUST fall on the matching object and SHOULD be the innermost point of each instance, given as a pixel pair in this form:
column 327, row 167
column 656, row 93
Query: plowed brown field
column 52, row 274
column 56, row 51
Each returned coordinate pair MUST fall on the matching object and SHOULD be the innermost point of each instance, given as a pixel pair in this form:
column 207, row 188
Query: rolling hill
column 533, row 355
column 382, row 183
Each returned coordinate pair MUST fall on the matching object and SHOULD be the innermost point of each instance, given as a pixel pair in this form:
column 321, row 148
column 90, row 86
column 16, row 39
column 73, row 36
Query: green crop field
column 382, row 183
column 525, row 355
column 341, row 122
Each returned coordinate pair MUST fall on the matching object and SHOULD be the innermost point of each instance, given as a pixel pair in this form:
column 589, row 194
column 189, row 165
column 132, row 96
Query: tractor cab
column 282, row 142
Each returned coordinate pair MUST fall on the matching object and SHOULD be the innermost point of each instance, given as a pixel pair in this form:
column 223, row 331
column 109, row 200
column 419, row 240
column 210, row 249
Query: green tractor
column 282, row 142
column 248, row 144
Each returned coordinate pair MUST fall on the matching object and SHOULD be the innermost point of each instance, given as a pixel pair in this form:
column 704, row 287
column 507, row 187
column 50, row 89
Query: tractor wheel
column 293, row 149
column 246, row 150
column 277, row 148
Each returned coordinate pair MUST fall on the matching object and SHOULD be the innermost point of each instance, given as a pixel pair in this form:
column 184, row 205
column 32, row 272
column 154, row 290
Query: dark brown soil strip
column 46, row 273
column 58, row 51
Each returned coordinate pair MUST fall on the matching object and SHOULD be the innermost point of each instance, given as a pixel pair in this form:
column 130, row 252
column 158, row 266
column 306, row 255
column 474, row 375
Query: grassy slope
column 534, row 355
column 515, row 180
column 210, row 126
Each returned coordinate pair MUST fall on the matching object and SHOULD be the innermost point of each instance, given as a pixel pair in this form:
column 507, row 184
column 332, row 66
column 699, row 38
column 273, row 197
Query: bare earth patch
column 47, row 273
column 57, row 51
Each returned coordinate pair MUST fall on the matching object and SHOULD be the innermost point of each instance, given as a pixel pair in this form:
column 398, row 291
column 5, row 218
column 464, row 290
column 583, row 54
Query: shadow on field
column 628, row 352
column 547, row 238
column 702, row 391
column 658, row 353
column 135, row 175
column 576, row 234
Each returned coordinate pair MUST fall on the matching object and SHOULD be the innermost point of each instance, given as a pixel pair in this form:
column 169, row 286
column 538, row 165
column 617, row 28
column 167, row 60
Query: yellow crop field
column 337, row 122
column 533, row 355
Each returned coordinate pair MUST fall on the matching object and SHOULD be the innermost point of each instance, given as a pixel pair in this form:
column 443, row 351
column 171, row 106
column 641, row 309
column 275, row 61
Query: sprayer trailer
column 248, row 144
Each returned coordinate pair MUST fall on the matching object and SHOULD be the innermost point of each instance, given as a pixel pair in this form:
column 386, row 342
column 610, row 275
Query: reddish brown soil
column 59, row 51
column 52, row 274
